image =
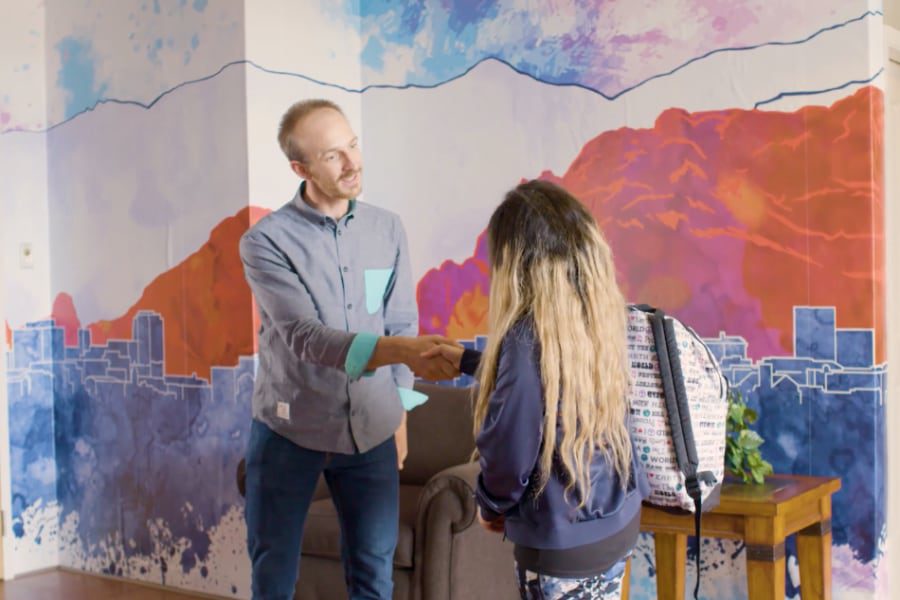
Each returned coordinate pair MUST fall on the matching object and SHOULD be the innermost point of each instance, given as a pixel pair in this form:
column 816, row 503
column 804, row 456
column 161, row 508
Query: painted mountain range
column 727, row 219
column 204, row 301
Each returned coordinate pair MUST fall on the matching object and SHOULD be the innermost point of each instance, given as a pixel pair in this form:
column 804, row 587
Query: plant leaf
column 736, row 413
column 749, row 440
column 742, row 455
column 757, row 476
column 737, row 460
column 750, row 415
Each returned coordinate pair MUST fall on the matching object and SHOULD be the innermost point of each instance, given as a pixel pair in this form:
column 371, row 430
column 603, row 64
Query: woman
column 558, row 473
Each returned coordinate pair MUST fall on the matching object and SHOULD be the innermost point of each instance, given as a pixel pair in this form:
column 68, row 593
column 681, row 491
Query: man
column 332, row 281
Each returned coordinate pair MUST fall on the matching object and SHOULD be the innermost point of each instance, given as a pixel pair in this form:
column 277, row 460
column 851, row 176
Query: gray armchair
column 442, row 553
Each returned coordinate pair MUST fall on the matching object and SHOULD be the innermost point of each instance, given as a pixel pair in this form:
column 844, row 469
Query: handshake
column 431, row 357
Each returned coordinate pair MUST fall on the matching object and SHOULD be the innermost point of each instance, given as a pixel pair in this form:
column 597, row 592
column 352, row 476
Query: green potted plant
column 742, row 456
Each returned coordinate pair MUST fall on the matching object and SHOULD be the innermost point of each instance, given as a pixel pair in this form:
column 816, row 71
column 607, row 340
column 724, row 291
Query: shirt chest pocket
column 377, row 283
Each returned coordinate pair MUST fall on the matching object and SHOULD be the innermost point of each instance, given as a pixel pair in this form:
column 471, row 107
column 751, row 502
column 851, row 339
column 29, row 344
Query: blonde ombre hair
column 549, row 262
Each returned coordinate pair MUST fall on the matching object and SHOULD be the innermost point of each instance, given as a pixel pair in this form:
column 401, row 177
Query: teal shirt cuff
column 359, row 354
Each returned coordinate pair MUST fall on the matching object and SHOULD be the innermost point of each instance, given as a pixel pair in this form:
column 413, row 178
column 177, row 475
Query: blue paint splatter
column 571, row 59
column 77, row 75
column 153, row 50
column 118, row 432
column 370, row 9
column 565, row 78
column 164, row 447
column 195, row 41
column 466, row 13
column 200, row 5
column 32, row 449
column 373, row 54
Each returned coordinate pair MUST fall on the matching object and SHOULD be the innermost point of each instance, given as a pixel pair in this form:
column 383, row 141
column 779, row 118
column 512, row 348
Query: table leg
column 765, row 571
column 671, row 555
column 814, row 556
column 626, row 581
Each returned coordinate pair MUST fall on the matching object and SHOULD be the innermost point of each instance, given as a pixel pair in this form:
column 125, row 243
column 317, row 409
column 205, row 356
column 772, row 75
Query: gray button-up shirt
column 326, row 290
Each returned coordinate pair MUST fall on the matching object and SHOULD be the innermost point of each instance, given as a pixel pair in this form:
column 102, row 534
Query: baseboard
column 146, row 584
column 30, row 573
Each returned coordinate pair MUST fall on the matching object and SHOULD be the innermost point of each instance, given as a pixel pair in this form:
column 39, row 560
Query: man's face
column 332, row 158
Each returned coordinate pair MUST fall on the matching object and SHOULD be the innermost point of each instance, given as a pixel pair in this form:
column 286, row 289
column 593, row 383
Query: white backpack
column 679, row 407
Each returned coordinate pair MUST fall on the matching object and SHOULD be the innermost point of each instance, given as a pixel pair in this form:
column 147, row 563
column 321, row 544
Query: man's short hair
column 296, row 113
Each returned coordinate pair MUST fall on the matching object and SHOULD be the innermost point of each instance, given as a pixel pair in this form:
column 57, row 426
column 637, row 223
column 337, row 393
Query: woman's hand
column 495, row 526
column 450, row 353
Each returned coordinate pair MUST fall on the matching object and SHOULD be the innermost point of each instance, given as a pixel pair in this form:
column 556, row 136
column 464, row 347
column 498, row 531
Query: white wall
column 892, row 188
column 273, row 44
column 892, row 13
column 24, row 290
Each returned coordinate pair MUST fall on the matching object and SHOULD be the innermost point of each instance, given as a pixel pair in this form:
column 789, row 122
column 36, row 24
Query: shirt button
column 346, row 269
column 349, row 307
column 340, row 232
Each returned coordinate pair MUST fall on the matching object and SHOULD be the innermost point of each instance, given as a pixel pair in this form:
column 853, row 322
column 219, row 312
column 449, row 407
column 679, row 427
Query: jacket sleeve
column 285, row 299
column 470, row 361
column 401, row 314
column 510, row 439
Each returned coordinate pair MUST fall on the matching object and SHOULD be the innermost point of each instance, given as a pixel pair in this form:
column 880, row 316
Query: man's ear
column 300, row 169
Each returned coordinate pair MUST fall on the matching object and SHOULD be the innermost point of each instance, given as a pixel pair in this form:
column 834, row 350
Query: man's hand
column 496, row 526
column 401, row 441
column 392, row 350
column 429, row 365
column 452, row 353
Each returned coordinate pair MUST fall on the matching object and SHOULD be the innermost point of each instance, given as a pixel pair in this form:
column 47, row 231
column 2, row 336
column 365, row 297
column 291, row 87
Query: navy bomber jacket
column 509, row 445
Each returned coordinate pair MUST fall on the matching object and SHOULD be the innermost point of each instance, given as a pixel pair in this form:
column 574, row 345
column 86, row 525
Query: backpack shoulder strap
column 679, row 416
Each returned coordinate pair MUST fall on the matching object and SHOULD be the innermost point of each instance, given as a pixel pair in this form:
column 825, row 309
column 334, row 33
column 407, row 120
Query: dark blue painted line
column 822, row 91
column 407, row 86
column 868, row 13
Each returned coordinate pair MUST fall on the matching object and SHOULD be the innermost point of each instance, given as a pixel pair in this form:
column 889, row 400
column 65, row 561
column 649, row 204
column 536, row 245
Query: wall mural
column 744, row 199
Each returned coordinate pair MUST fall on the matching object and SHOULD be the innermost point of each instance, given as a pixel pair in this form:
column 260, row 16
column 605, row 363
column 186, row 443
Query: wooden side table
column 763, row 516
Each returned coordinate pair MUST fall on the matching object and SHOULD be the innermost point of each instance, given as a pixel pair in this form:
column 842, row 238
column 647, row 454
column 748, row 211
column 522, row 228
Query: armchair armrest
column 458, row 482
column 446, row 512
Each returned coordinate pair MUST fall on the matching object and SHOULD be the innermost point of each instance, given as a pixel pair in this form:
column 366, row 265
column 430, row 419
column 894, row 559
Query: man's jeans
column 281, row 479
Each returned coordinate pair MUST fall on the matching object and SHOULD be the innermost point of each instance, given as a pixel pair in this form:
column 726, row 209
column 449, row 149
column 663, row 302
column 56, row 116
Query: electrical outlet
column 26, row 256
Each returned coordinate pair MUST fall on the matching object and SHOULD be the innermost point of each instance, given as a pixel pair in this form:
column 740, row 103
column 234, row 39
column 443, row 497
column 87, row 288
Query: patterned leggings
column 608, row 586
